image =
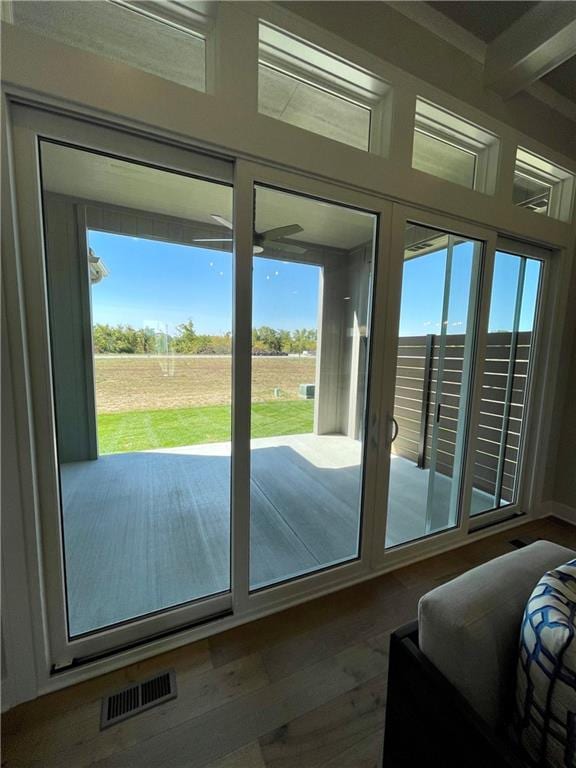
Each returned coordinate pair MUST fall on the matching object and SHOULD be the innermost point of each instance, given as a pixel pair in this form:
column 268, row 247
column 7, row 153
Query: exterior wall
column 331, row 380
column 341, row 366
column 356, row 339
column 70, row 320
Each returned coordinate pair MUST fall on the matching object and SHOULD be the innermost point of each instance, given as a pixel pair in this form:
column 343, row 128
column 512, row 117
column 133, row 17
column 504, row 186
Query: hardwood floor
column 305, row 688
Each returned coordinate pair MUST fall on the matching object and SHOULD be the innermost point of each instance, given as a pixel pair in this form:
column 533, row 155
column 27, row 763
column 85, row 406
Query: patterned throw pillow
column 545, row 717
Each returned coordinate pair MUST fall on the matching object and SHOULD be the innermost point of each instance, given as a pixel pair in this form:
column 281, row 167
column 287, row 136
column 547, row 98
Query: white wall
column 18, row 657
column 562, row 469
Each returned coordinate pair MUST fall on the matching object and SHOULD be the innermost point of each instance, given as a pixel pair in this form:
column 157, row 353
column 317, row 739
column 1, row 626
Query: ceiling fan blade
column 222, row 220
column 274, row 234
column 212, row 240
column 276, row 245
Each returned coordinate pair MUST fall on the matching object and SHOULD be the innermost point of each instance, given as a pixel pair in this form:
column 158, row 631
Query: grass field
column 150, row 383
column 146, row 430
column 146, row 402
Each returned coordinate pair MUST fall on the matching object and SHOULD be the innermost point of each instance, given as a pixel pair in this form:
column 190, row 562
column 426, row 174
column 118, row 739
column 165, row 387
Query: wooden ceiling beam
column 538, row 42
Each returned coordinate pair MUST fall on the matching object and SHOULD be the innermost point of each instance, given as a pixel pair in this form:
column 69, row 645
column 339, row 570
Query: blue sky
column 160, row 285
column 423, row 290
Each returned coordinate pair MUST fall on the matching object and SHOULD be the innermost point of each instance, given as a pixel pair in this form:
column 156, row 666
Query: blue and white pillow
column 545, row 721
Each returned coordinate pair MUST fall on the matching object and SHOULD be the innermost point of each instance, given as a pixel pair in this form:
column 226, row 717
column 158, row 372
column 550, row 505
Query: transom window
column 541, row 186
column 313, row 89
column 454, row 149
column 164, row 38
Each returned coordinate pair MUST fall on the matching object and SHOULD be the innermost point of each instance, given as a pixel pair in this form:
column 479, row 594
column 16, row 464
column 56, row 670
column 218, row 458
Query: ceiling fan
column 268, row 239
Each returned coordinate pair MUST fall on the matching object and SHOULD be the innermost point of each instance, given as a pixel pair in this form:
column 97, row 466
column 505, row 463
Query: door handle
column 438, row 410
column 395, row 430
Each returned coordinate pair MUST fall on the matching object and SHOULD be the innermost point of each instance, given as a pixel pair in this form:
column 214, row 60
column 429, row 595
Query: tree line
column 124, row 339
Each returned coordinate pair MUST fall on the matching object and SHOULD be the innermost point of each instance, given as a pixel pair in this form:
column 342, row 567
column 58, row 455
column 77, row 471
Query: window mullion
column 241, row 383
column 478, row 368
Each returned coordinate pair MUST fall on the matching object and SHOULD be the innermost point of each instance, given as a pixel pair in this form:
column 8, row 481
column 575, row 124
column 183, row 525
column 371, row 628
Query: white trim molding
column 557, row 509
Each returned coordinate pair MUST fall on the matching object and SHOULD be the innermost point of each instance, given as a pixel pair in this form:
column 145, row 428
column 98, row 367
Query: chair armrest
column 469, row 628
column 428, row 722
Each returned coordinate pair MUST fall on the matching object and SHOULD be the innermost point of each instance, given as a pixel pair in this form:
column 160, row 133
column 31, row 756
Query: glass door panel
column 434, row 367
column 139, row 275
column 312, row 278
column 507, row 362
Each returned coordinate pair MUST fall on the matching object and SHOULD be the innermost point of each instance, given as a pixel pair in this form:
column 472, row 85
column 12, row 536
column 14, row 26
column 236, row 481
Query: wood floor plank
column 79, row 742
column 363, row 614
column 322, row 735
column 286, row 679
column 427, row 575
column 234, row 725
column 249, row 756
column 189, row 660
column 312, row 624
column 366, row 753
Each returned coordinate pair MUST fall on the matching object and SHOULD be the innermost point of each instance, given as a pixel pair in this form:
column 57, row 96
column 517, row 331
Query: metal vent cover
column 137, row 698
column 523, row 542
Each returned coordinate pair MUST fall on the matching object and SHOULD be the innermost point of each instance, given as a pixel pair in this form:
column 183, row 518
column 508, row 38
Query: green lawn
column 146, row 430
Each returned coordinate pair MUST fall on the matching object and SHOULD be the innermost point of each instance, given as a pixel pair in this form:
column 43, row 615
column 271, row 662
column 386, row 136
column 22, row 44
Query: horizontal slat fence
column 415, row 405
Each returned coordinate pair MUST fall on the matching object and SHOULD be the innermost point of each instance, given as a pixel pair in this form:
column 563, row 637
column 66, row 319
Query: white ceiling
column 108, row 180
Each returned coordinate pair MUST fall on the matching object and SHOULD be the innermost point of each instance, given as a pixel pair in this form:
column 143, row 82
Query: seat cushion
column 545, row 722
column 469, row 627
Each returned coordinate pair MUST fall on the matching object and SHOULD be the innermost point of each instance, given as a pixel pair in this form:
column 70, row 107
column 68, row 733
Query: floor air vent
column 523, row 542
column 138, row 698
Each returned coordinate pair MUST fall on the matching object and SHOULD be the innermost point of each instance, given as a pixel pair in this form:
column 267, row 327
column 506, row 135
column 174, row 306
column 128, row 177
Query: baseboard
column 557, row 509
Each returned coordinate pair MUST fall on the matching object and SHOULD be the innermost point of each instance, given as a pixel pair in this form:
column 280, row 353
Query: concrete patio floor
column 146, row 531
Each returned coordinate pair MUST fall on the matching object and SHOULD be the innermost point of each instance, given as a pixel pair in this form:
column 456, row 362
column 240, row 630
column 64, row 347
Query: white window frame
column 196, row 18
column 64, row 653
column 306, row 62
column 534, row 405
column 447, row 127
column 560, row 182
column 194, row 120
column 30, row 127
column 331, row 577
column 402, row 216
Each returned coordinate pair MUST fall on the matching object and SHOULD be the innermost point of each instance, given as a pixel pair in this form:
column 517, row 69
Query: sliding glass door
column 128, row 278
column 213, row 351
column 139, row 278
column 440, row 279
column 507, row 358
column 312, row 279
column 201, row 377
column 468, row 322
